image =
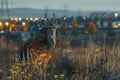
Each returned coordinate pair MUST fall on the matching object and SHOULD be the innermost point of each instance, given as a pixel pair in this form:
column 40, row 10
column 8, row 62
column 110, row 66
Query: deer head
column 51, row 36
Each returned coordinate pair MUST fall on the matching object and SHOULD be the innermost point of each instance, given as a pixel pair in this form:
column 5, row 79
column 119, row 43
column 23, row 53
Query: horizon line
column 64, row 10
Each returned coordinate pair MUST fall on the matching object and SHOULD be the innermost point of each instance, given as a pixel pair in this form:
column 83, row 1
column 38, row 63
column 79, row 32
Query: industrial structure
column 5, row 12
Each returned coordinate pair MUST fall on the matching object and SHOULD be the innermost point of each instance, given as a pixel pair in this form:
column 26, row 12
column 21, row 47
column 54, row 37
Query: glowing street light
column 64, row 18
column 31, row 19
column 84, row 18
column 45, row 19
column 11, row 19
column 23, row 23
column 0, row 23
column 16, row 19
column 116, row 26
column 6, row 23
column 35, row 19
column 116, row 15
column 20, row 19
column 27, row 19
column 25, row 26
column 42, row 18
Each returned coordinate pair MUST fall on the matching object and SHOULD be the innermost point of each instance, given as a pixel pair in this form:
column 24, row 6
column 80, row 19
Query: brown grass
column 80, row 59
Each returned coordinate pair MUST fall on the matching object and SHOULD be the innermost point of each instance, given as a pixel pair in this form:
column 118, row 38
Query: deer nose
column 51, row 32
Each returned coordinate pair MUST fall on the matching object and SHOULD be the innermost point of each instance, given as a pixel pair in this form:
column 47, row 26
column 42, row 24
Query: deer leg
column 45, row 66
column 41, row 71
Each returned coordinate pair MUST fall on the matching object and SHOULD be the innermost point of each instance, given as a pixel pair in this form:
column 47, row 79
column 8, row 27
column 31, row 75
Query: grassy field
column 76, row 57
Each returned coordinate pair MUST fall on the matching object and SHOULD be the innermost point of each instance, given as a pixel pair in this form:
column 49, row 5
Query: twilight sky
column 85, row 5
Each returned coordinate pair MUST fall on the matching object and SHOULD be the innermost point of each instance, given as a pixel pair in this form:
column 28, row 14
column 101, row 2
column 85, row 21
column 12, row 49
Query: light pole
column 116, row 15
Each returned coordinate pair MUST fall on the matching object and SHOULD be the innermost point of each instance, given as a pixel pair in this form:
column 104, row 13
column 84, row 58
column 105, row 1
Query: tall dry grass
column 74, row 58
column 85, row 61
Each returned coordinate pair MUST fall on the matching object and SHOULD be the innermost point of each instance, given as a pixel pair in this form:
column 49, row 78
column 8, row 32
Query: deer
column 39, row 51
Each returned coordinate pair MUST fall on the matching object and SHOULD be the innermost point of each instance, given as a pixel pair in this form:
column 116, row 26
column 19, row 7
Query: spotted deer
column 39, row 51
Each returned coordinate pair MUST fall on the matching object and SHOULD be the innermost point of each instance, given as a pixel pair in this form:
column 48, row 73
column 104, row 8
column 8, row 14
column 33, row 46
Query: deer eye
column 51, row 32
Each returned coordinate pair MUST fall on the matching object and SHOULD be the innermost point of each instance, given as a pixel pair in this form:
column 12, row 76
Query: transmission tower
column 5, row 13
column 65, row 12
column 46, row 14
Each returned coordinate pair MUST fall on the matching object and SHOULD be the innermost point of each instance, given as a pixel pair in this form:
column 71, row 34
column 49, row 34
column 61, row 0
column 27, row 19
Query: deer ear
column 47, row 27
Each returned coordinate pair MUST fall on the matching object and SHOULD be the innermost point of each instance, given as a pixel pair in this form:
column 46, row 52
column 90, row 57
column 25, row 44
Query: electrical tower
column 65, row 12
column 5, row 13
column 46, row 15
